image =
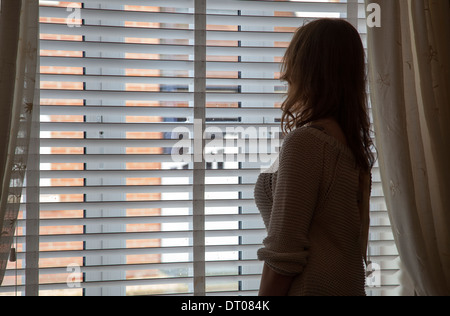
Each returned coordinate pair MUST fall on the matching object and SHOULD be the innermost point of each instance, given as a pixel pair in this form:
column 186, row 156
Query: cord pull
column 13, row 255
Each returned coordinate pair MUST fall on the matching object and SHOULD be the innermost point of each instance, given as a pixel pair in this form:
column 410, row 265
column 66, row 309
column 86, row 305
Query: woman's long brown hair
column 324, row 67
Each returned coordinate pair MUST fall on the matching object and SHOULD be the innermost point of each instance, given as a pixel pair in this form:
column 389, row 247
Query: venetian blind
column 133, row 200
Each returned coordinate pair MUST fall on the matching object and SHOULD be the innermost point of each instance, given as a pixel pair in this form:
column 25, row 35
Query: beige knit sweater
column 310, row 209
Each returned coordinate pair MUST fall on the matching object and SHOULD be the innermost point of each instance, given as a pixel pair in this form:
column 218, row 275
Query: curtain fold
column 18, row 94
column 409, row 75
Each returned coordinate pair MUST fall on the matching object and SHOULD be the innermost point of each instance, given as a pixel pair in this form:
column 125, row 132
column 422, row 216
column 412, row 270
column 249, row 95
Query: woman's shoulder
column 301, row 146
column 304, row 138
column 301, row 134
column 311, row 137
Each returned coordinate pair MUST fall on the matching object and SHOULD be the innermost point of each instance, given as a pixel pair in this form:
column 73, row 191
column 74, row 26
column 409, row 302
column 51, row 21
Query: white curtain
column 409, row 57
column 18, row 95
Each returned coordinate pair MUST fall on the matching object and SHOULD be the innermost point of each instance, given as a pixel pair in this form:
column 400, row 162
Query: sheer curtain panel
column 410, row 83
column 18, row 94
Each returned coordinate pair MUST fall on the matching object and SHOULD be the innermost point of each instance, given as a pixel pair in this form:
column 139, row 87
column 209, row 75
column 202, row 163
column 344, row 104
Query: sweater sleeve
column 295, row 199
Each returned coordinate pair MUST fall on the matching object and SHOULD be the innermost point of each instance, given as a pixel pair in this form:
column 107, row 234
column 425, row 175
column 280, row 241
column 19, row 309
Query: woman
column 315, row 204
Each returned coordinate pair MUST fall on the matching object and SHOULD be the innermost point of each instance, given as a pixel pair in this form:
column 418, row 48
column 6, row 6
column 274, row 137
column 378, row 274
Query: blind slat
column 244, row 5
column 159, row 80
column 143, row 188
column 147, row 219
column 145, row 235
column 143, row 173
column 156, row 111
column 113, row 63
column 186, row 18
column 160, row 48
column 57, row 206
column 115, row 31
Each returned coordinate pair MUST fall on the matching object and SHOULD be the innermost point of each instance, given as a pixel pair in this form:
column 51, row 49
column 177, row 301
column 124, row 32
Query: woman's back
column 310, row 208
